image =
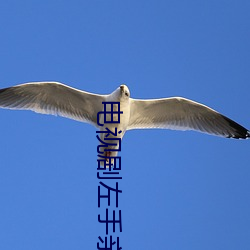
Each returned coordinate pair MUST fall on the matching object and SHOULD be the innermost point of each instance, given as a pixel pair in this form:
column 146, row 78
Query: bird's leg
column 107, row 154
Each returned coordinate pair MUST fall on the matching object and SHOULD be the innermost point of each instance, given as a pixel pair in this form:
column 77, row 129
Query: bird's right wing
column 53, row 98
column 182, row 114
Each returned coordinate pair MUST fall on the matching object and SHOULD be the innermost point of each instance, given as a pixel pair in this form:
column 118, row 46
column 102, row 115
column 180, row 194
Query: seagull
column 176, row 113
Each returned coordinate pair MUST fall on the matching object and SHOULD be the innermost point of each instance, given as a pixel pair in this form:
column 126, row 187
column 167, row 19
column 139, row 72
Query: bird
column 175, row 113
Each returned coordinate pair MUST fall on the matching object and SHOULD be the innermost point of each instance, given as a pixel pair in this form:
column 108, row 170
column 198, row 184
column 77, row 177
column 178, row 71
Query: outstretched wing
column 53, row 98
column 182, row 114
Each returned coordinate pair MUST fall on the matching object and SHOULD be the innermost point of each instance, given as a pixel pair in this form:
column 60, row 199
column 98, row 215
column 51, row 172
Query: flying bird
column 175, row 113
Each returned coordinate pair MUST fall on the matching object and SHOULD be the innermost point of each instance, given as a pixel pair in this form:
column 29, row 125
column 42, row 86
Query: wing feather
column 53, row 98
column 182, row 114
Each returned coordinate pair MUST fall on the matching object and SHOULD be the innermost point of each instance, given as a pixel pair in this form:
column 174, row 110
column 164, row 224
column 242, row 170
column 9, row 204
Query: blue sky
column 181, row 190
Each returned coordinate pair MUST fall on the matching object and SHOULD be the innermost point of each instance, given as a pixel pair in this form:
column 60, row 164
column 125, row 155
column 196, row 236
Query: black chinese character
column 116, row 190
column 114, row 221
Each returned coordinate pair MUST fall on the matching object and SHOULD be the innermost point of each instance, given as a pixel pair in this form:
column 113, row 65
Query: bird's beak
column 122, row 88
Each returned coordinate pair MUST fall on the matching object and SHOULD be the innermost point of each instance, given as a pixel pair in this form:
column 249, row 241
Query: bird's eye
column 126, row 93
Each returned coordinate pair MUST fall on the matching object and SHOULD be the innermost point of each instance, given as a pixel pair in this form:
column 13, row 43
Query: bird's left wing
column 182, row 114
column 53, row 98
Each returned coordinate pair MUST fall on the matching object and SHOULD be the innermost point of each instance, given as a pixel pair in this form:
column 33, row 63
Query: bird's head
column 124, row 91
column 120, row 94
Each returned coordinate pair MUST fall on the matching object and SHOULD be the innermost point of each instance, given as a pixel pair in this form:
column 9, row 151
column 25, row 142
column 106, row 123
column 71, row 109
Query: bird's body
column 167, row 113
column 117, row 129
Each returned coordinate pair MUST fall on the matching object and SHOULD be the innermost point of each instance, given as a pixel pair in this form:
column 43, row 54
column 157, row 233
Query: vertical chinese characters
column 109, row 167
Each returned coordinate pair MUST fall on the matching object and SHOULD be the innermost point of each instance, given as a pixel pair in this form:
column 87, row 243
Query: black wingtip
column 239, row 131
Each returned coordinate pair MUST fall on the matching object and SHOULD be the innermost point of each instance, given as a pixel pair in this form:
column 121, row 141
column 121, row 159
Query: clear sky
column 181, row 190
